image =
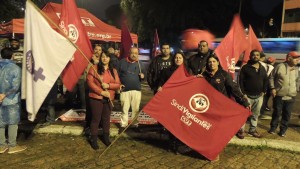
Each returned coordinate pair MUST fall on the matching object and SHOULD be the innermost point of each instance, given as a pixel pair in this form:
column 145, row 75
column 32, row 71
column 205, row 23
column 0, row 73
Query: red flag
column 196, row 113
column 72, row 26
column 253, row 43
column 233, row 45
column 126, row 41
column 155, row 50
column 192, row 37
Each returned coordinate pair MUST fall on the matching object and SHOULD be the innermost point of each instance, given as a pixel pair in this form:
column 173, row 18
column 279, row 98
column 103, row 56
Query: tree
column 171, row 17
column 8, row 11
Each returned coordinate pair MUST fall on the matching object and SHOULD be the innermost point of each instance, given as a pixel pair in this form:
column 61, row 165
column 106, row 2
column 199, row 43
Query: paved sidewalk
column 290, row 142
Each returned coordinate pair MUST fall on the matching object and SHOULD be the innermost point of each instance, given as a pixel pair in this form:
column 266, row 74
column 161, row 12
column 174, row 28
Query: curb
column 247, row 141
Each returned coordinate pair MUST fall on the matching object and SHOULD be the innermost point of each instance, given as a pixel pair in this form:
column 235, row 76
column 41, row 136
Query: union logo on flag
column 199, row 103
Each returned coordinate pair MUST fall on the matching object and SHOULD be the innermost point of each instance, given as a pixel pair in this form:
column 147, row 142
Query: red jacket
column 95, row 85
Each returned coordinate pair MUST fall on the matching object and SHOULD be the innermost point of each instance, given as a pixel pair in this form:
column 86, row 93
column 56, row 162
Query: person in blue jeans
column 283, row 89
column 10, row 103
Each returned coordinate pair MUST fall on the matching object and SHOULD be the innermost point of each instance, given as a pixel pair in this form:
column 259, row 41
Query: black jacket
column 154, row 71
column 252, row 82
column 222, row 81
column 197, row 62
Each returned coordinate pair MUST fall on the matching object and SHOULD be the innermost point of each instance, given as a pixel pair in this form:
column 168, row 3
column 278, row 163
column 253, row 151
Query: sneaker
column 45, row 124
column 281, row 134
column 271, row 131
column 3, row 149
column 265, row 117
column 240, row 134
column 254, row 134
column 16, row 149
column 184, row 149
column 267, row 109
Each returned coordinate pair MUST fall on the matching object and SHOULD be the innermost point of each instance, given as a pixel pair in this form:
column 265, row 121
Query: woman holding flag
column 103, row 80
column 178, row 59
column 223, row 82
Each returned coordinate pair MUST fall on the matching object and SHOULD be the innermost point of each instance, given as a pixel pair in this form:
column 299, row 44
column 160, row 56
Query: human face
column 293, row 61
column 178, row 59
column 97, row 50
column 165, row 50
column 15, row 44
column 203, row 47
column 134, row 54
column 255, row 56
column 213, row 64
column 105, row 59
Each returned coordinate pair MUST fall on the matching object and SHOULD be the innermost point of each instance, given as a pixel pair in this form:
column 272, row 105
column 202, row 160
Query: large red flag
column 196, row 113
column 155, row 50
column 233, row 45
column 253, row 43
column 126, row 41
column 72, row 26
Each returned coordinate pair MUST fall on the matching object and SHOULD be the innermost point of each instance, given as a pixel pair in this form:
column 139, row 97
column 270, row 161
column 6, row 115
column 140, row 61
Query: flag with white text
column 46, row 53
column 71, row 24
column 233, row 45
column 197, row 114
column 253, row 43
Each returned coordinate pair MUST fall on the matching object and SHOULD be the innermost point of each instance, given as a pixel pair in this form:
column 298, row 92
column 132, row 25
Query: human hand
column 159, row 89
column 122, row 87
column 142, row 75
column 199, row 75
column 105, row 85
column 2, row 96
column 273, row 92
column 105, row 94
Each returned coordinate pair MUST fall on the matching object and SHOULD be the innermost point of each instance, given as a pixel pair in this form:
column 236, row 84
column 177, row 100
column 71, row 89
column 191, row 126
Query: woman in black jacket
column 223, row 82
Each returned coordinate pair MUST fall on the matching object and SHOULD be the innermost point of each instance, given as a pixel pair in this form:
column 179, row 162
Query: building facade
column 291, row 19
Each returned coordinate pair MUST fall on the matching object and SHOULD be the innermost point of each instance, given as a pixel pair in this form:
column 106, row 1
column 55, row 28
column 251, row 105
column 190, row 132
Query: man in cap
column 283, row 89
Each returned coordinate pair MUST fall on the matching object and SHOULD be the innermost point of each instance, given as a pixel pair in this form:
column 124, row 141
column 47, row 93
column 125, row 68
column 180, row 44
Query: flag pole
column 63, row 34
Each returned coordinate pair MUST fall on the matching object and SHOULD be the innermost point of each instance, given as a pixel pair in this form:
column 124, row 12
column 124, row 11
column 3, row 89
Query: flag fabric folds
column 197, row 114
column 46, row 54
column 253, row 43
column 233, row 45
column 72, row 26
column 155, row 49
column 126, row 41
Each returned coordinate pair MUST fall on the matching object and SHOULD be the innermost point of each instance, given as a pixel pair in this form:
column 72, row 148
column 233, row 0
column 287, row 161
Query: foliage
column 171, row 17
column 9, row 11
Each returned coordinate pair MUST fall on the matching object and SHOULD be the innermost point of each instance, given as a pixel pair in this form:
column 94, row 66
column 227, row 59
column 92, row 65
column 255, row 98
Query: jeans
column 12, row 135
column 284, row 108
column 255, row 109
column 50, row 104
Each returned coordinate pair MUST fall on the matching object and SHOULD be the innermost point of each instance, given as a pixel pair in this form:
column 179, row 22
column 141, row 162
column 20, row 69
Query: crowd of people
column 107, row 77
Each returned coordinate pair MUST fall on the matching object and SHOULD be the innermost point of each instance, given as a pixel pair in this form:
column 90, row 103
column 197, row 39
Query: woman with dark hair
column 223, row 82
column 178, row 59
column 103, row 80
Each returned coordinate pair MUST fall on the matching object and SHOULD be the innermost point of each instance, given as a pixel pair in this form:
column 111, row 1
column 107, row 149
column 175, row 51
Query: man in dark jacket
column 197, row 62
column 158, row 64
column 253, row 81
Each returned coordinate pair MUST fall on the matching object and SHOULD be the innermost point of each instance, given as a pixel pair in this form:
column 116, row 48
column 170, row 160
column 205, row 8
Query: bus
column 279, row 47
column 275, row 47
